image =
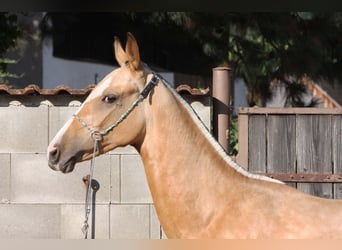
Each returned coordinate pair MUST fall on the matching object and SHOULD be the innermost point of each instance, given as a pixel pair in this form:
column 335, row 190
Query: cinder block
column 124, row 150
column 23, row 129
column 72, row 219
column 201, row 105
column 58, row 116
column 29, row 221
column 5, row 169
column 115, row 177
column 63, row 100
column 134, row 187
column 155, row 230
column 32, row 181
column 130, row 222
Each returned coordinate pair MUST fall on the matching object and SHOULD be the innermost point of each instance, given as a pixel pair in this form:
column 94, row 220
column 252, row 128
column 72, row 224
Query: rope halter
column 97, row 135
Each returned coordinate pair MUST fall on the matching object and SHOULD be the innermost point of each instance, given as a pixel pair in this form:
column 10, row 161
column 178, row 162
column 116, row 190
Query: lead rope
column 97, row 137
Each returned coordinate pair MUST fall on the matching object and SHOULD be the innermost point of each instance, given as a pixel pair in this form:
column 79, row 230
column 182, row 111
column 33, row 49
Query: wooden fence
column 301, row 146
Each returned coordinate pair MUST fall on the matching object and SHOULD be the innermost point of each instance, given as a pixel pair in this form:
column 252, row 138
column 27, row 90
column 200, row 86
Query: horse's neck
column 183, row 168
column 173, row 139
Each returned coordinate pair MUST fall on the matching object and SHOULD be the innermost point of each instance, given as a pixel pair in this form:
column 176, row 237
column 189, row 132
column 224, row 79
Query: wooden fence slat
column 281, row 141
column 293, row 111
column 257, row 143
column 313, row 148
column 337, row 151
column 307, row 178
column 242, row 157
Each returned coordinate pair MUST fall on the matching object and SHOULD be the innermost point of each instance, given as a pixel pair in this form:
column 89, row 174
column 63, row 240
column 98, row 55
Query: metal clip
column 85, row 229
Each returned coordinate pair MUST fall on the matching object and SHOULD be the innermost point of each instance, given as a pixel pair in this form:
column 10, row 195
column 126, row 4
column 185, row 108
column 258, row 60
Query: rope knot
column 85, row 229
column 96, row 135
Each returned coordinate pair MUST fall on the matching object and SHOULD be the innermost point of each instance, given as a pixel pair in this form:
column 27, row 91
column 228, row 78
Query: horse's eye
column 109, row 99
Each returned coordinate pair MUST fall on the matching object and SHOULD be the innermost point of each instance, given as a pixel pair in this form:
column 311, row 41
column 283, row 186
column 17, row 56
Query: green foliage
column 233, row 137
column 279, row 45
column 265, row 46
column 258, row 46
column 9, row 33
column 4, row 74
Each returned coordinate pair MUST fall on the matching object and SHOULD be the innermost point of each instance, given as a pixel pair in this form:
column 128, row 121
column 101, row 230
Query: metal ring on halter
column 96, row 135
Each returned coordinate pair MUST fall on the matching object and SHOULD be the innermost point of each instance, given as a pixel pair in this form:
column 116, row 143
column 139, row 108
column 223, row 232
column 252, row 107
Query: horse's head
column 107, row 104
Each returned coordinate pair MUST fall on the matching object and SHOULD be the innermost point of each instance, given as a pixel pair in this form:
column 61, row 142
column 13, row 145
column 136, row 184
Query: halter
column 97, row 135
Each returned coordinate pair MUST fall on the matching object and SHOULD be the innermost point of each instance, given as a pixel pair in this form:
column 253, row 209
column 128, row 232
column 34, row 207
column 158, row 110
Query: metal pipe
column 95, row 186
column 221, row 94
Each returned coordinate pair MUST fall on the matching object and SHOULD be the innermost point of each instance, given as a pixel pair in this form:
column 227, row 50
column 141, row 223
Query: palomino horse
column 198, row 191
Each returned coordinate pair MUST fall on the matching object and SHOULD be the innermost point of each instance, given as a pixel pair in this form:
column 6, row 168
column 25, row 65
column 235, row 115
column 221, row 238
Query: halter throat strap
column 97, row 134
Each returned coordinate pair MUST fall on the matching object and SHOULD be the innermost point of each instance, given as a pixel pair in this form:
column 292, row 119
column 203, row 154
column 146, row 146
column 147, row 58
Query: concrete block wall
column 37, row 202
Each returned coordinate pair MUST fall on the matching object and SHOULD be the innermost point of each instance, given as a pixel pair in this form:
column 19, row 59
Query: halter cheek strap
column 97, row 134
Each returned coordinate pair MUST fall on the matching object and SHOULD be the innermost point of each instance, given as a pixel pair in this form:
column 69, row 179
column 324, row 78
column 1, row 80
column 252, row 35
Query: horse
column 197, row 189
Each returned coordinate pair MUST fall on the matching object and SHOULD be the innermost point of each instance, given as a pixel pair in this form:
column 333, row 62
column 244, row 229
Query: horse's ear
column 132, row 51
column 120, row 54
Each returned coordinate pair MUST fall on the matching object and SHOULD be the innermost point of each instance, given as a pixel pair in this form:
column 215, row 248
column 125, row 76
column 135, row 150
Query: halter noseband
column 97, row 134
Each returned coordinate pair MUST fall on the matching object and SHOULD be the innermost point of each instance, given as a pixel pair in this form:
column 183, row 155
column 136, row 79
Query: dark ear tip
column 130, row 35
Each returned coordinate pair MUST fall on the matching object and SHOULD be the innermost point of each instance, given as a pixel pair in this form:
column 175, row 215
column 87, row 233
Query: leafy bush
column 10, row 32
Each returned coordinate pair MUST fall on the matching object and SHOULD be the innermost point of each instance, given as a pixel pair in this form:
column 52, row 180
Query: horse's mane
column 219, row 149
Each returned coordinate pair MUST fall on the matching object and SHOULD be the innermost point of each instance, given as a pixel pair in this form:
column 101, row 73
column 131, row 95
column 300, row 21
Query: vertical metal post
column 95, row 186
column 221, row 93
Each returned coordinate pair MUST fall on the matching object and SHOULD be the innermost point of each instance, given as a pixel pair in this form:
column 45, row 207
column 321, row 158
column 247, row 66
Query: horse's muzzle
column 54, row 155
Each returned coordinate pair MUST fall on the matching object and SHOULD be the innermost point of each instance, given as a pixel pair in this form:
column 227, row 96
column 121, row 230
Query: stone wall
column 37, row 202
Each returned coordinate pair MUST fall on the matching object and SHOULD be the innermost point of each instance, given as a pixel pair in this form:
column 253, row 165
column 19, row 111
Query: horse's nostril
column 54, row 154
